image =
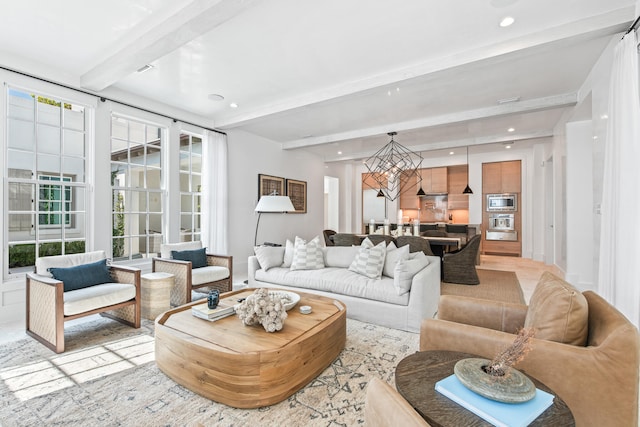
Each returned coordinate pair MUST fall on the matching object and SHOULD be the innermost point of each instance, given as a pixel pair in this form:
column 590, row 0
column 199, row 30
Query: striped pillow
column 370, row 259
column 307, row 256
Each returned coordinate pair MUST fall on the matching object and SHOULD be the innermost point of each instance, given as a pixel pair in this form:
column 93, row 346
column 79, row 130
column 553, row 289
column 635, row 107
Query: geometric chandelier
column 392, row 167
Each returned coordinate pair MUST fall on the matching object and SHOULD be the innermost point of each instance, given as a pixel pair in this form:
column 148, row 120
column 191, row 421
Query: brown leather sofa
column 384, row 407
column 597, row 379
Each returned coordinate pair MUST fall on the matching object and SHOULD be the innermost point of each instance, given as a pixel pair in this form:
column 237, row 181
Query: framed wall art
column 270, row 185
column 297, row 192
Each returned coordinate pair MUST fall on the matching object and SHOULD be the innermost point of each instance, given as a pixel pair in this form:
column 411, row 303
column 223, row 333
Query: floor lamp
column 272, row 203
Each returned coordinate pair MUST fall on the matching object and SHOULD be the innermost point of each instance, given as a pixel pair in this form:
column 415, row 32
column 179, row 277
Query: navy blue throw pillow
column 198, row 257
column 82, row 276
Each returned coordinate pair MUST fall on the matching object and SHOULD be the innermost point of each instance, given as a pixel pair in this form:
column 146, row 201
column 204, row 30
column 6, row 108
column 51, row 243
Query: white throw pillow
column 269, row 256
column 370, row 259
column 307, row 255
column 404, row 272
column 288, row 254
column 339, row 256
column 392, row 258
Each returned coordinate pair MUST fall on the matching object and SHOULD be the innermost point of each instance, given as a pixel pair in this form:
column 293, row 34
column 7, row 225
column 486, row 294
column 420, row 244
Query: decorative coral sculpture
column 262, row 308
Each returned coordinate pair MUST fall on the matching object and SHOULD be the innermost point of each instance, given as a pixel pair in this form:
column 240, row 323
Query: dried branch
column 512, row 354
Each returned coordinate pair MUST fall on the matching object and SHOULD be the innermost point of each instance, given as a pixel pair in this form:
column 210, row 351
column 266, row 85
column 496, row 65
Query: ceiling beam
column 592, row 27
column 442, row 145
column 156, row 38
column 527, row 106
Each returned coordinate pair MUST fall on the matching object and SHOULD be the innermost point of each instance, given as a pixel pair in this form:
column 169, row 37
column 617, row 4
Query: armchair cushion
column 558, row 312
column 82, row 276
column 198, row 257
column 166, row 248
column 210, row 273
column 98, row 296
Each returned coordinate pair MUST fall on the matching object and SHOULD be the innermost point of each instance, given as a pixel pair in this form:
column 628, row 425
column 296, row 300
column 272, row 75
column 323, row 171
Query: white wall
column 579, row 194
column 250, row 155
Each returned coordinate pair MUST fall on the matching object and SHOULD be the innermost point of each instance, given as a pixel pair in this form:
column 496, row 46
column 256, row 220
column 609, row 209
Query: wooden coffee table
column 417, row 374
column 246, row 366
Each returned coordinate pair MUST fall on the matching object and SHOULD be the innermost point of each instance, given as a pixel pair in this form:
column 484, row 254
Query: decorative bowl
column 290, row 299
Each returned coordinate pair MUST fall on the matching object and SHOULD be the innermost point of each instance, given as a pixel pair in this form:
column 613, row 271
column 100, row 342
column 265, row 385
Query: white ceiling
column 329, row 75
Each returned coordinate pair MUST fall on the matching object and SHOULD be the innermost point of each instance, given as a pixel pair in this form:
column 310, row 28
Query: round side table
column 417, row 374
column 155, row 289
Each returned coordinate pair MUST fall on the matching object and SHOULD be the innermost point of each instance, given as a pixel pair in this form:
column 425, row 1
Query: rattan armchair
column 346, row 239
column 218, row 274
column 460, row 266
column 416, row 244
column 328, row 237
column 49, row 305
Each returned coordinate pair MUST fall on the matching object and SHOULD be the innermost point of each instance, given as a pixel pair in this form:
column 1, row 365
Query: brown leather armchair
column 598, row 381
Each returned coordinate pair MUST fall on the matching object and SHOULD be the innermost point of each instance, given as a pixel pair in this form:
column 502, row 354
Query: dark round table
column 417, row 374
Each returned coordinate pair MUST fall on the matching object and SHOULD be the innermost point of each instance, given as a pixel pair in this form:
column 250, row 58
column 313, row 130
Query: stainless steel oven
column 502, row 227
column 502, row 202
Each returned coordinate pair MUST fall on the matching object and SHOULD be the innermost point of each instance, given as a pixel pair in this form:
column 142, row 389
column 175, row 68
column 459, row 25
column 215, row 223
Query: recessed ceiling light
column 233, row 105
column 144, row 68
column 507, row 146
column 215, row 97
column 511, row 130
column 506, row 21
column 451, row 152
column 339, row 152
column 604, row 116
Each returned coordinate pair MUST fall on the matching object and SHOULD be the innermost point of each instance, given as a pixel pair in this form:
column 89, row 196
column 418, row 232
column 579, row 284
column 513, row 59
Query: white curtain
column 619, row 278
column 215, row 195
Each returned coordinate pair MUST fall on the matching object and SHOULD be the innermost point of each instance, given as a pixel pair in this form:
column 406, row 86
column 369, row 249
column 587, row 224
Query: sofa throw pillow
column 82, row 276
column 288, row 254
column 339, row 256
column 307, row 255
column 392, row 258
column 198, row 257
column 370, row 259
column 405, row 270
column 558, row 312
column 269, row 256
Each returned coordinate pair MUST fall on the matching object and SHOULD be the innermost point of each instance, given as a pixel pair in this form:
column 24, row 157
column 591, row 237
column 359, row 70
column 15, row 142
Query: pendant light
column 421, row 191
column 467, row 189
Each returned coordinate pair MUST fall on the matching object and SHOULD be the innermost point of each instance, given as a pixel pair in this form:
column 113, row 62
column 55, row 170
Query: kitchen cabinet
column 434, row 180
column 409, row 188
column 457, row 181
column 501, row 177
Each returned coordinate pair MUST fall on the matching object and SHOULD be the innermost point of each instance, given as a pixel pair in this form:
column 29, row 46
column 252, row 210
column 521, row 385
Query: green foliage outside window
column 25, row 255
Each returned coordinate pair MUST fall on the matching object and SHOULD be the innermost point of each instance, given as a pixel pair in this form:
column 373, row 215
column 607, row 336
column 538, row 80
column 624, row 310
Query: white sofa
column 369, row 300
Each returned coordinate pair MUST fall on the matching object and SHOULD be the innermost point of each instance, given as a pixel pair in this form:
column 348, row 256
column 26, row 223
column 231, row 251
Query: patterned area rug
column 494, row 285
column 108, row 377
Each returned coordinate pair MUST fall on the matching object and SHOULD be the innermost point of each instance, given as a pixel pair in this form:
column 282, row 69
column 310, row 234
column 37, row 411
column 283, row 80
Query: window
column 46, row 169
column 136, row 182
column 190, row 187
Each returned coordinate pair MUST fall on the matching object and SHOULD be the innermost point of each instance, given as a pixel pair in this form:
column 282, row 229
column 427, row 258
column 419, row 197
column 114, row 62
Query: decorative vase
column 213, row 299
column 512, row 387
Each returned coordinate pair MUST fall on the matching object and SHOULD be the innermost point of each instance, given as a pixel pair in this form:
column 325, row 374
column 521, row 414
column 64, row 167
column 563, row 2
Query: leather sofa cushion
column 558, row 312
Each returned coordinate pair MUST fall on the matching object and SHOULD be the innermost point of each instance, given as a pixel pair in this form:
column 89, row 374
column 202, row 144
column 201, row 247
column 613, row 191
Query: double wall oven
column 502, row 208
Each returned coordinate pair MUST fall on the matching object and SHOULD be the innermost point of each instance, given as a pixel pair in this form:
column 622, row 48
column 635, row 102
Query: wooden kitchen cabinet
column 434, row 180
column 501, row 177
column 409, row 187
column 457, row 181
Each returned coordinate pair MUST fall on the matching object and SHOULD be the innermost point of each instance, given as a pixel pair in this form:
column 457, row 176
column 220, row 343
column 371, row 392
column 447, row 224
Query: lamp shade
column 274, row 204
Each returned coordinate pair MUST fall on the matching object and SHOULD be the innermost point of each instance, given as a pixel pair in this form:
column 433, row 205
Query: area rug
column 494, row 285
column 108, row 377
